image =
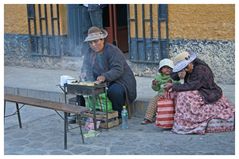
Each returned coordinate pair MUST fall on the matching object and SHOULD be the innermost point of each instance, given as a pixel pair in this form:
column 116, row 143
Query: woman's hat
column 182, row 60
column 95, row 33
column 166, row 62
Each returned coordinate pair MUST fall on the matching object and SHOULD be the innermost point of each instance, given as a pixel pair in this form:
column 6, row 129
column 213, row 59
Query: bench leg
column 65, row 130
column 18, row 115
column 106, row 103
column 82, row 135
column 4, row 110
column 94, row 111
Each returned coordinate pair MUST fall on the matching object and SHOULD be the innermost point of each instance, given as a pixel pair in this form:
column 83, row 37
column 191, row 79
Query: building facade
column 50, row 36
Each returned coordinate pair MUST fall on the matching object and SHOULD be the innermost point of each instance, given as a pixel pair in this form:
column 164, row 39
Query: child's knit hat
column 166, row 62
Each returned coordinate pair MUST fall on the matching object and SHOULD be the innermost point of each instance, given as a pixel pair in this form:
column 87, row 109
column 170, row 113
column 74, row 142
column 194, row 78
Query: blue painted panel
column 164, row 48
column 133, row 50
column 156, row 52
column 149, row 52
column 141, row 51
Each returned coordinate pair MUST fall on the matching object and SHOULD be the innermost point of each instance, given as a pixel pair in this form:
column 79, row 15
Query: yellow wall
column 63, row 18
column 147, row 26
column 15, row 19
column 198, row 21
column 187, row 21
column 202, row 21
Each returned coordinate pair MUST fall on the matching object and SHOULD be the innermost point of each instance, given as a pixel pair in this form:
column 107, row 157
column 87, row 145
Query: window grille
column 44, row 29
column 148, row 32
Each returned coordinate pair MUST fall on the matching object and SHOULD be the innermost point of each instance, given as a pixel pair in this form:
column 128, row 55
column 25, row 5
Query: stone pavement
column 42, row 132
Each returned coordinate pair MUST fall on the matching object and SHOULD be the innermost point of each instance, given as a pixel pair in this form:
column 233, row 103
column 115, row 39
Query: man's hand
column 100, row 79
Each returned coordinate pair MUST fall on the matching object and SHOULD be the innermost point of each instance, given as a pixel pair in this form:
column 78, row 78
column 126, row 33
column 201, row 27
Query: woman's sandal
column 146, row 121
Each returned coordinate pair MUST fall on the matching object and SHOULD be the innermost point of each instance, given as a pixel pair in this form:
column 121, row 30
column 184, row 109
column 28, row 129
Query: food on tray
column 75, row 81
column 87, row 83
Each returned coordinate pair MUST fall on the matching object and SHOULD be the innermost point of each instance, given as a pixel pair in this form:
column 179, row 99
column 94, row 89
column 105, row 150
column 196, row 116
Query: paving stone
column 43, row 130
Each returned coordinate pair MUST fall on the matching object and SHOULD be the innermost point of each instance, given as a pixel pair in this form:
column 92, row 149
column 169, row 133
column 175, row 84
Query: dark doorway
column 115, row 22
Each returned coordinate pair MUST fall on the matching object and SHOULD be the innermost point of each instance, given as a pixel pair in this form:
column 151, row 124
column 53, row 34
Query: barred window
column 44, row 29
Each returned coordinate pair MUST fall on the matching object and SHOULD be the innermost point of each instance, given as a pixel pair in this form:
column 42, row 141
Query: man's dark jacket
column 111, row 64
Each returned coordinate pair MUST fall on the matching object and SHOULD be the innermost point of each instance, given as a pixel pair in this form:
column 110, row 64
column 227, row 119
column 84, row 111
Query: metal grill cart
column 93, row 90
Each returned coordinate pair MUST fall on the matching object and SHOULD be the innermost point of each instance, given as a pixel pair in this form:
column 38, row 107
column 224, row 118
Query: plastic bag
column 165, row 112
column 101, row 101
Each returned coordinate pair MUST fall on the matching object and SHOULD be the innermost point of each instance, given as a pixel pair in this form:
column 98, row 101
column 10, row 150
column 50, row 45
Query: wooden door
column 115, row 22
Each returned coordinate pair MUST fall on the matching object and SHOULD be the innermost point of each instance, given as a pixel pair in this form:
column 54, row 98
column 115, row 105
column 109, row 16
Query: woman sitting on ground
column 200, row 104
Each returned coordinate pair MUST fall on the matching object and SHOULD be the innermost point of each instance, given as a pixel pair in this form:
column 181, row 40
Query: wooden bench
column 66, row 108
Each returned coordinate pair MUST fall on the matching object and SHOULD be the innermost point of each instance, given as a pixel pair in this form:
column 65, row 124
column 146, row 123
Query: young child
column 163, row 77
